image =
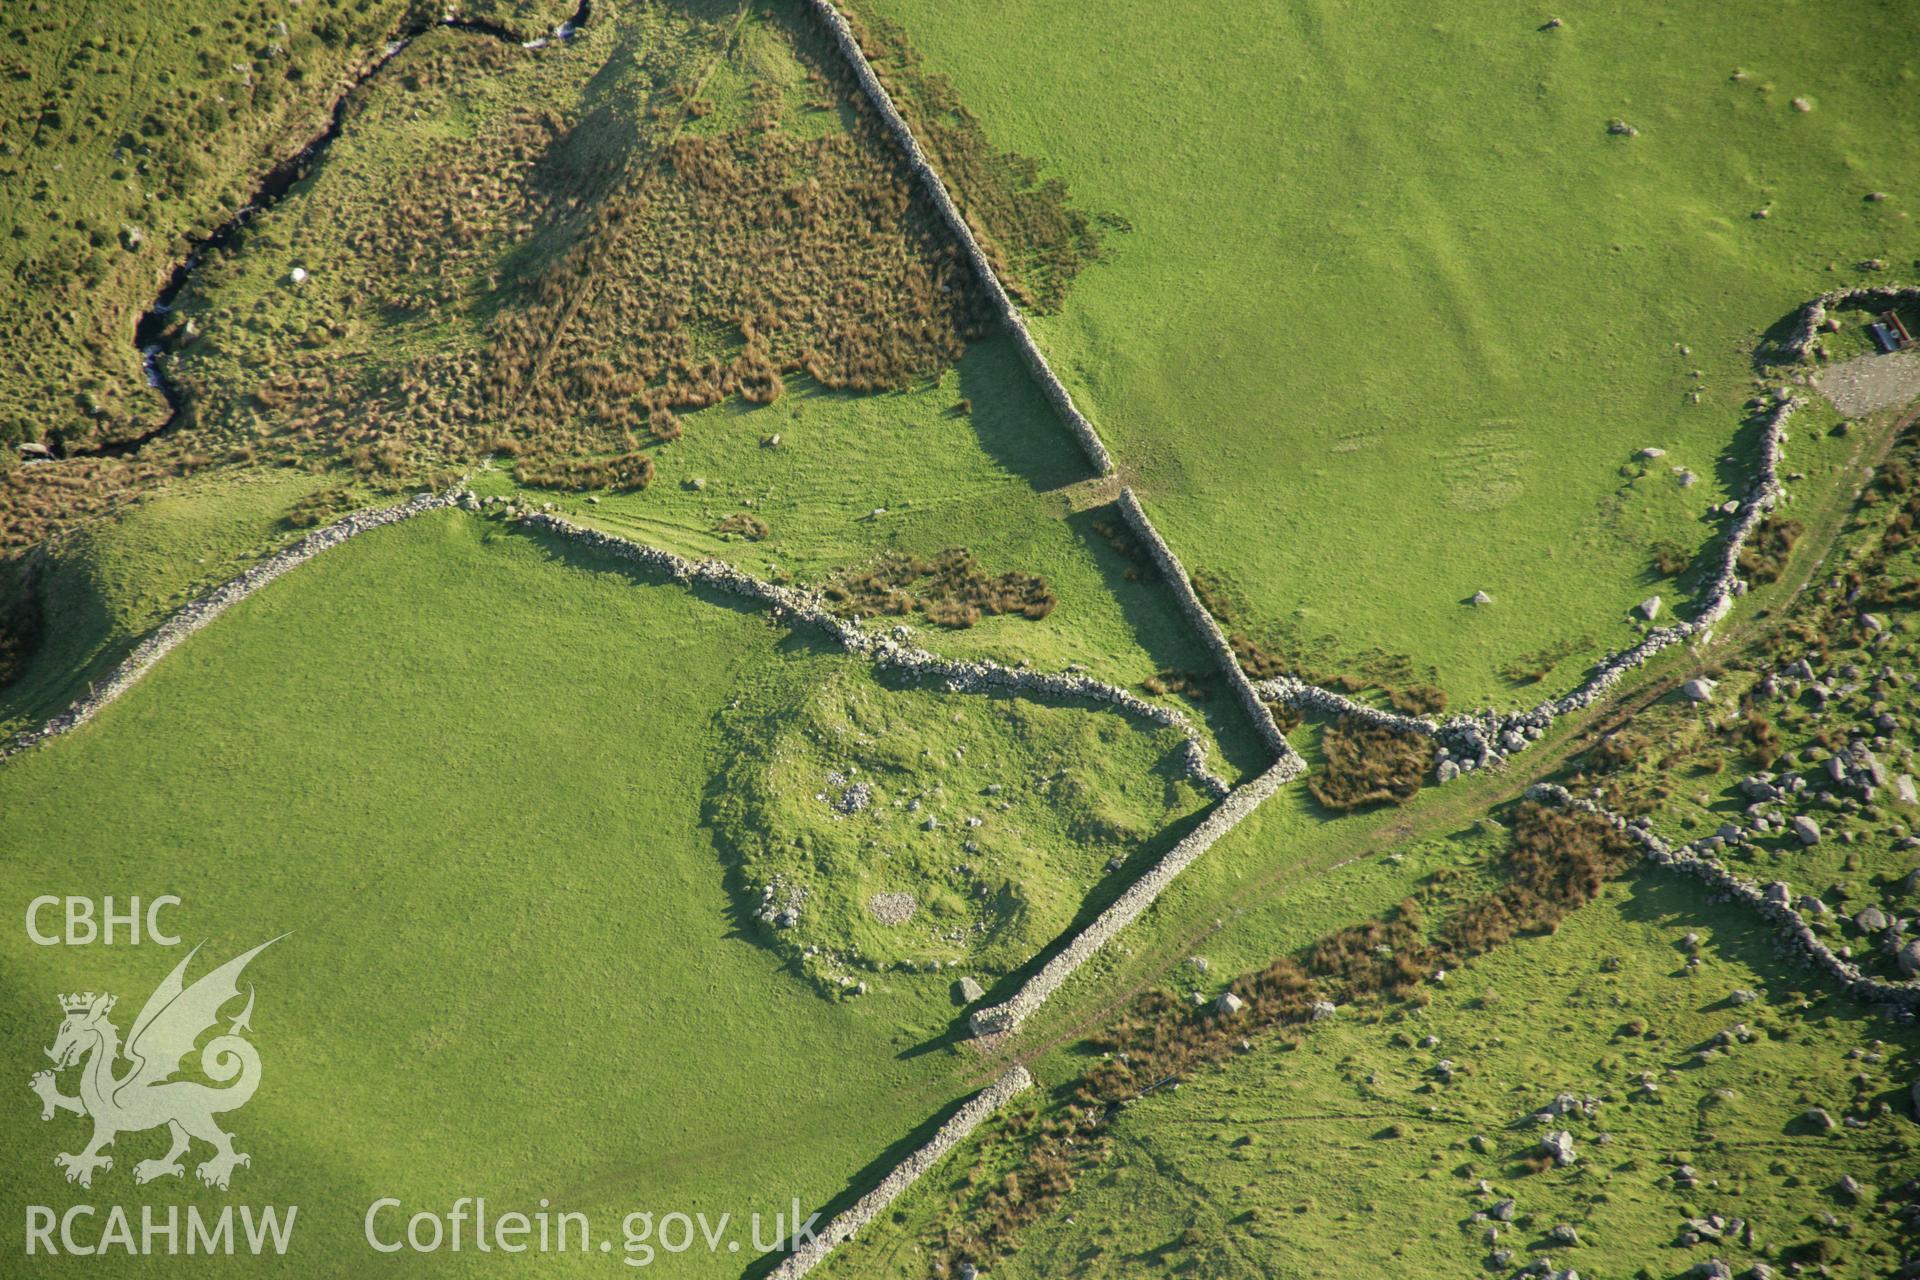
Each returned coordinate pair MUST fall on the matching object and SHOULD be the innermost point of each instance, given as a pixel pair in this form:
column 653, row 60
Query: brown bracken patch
column 1369, row 764
column 949, row 590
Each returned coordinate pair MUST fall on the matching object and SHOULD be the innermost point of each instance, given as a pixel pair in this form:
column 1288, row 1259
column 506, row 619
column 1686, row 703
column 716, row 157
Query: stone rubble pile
column 811, row 1252
column 1772, row 902
column 198, row 613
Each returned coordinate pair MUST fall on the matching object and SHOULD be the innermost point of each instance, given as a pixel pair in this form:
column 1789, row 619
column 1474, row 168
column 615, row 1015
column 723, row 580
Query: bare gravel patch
column 892, row 908
column 1866, row 384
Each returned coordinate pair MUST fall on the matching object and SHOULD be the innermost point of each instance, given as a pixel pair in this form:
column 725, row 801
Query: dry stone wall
column 810, row 1253
column 1773, row 902
column 889, row 650
column 842, row 34
column 1176, row 577
column 1475, row 740
column 1806, row 329
column 1134, row 901
column 198, row 613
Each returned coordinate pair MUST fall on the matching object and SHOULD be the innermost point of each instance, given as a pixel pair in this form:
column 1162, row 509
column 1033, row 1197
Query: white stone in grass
column 1698, row 690
column 1649, row 608
column 1807, row 829
column 1559, row 1145
column 298, row 275
column 1481, row 597
column 1649, row 453
column 1229, row 1003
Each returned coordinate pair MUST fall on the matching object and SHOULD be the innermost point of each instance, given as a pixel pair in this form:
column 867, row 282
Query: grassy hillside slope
column 467, row 774
column 1396, row 308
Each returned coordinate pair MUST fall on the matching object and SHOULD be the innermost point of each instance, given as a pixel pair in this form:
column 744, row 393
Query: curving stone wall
column 1482, row 738
column 1134, row 901
column 1175, row 574
column 198, row 613
column 1806, row 329
column 1773, row 903
column 1302, row 696
column 903, row 1175
column 889, row 651
column 842, row 34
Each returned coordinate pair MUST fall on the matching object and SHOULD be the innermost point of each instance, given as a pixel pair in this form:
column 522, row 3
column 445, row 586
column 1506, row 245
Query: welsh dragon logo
column 146, row 1096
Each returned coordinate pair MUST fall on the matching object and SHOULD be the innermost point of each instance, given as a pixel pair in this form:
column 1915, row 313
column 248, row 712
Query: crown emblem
column 77, row 1003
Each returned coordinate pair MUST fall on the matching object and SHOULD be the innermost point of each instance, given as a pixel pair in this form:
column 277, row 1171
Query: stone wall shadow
column 1154, row 619
column 1013, row 420
column 869, row 1176
column 1097, row 899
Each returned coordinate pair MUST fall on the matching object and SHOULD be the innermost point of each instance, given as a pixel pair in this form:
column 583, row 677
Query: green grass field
column 101, row 588
column 1351, row 1147
column 467, row 773
column 1381, row 312
column 1395, row 308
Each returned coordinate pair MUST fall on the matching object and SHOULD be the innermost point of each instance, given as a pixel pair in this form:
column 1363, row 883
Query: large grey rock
column 1229, row 1003
column 1904, row 790
column 1559, row 1145
column 1649, row 608
column 1807, row 829
column 1910, row 959
column 967, row 990
column 1481, row 597
column 1698, row 690
column 1871, row 920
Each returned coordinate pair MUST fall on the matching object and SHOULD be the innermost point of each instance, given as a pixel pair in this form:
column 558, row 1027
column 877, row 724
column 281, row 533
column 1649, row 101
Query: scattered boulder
column 1228, row 1004
column 1481, row 597
column 1818, row 1119
column 1504, row 1211
column 1871, row 920
column 967, row 990
column 1559, row 1145
column 1807, row 829
column 1698, row 689
column 297, row 276
column 1904, row 791
column 1910, row 959
column 1650, row 453
column 1649, row 608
